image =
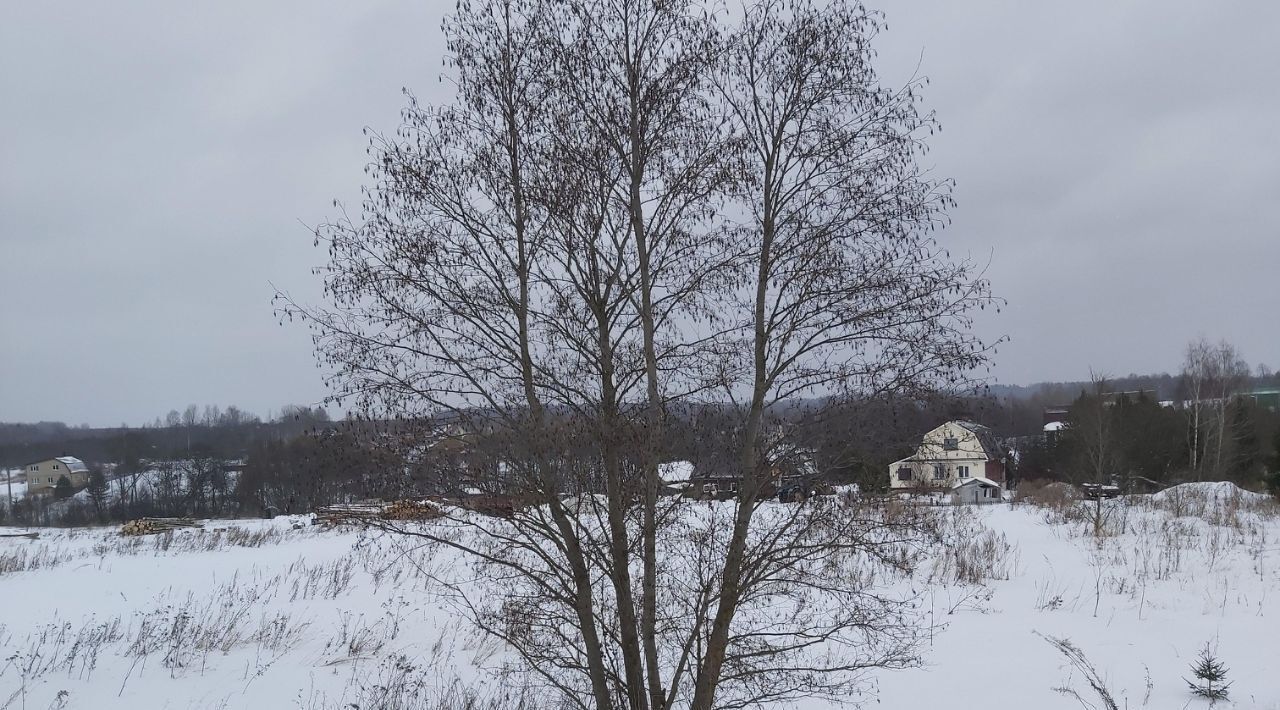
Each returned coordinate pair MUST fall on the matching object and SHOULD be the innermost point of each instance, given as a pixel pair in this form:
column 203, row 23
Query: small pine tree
column 63, row 488
column 1211, row 677
column 98, row 489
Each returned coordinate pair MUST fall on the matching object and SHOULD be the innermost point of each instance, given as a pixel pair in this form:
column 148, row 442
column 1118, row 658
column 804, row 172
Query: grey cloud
column 1116, row 163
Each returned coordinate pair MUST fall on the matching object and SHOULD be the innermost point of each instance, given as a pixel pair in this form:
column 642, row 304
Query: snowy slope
column 263, row 614
column 1140, row 605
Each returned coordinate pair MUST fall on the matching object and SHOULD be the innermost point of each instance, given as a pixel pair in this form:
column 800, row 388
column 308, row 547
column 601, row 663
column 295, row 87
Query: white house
column 959, row 456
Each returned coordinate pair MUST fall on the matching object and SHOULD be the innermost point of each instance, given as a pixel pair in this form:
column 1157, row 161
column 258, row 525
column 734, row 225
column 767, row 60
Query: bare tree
column 845, row 290
column 1213, row 375
column 1232, row 373
column 541, row 270
column 634, row 75
column 1092, row 433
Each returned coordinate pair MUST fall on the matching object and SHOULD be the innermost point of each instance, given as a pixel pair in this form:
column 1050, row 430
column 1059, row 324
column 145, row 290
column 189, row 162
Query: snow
column 298, row 601
column 73, row 464
column 975, row 479
column 316, row 613
column 1138, row 604
column 675, row 471
column 1215, row 494
column 1055, row 426
column 15, row 481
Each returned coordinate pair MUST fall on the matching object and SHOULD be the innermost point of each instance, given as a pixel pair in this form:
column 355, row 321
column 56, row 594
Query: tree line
column 227, row 432
column 1211, row 428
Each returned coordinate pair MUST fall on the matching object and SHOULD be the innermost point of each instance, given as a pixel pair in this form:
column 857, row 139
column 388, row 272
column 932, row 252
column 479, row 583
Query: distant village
column 1106, row 441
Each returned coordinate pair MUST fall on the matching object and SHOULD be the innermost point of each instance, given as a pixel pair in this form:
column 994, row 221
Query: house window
column 939, row 472
column 962, row 471
column 904, row 474
column 55, row 467
column 950, row 444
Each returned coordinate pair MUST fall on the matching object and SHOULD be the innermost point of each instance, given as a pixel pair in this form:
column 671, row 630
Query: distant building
column 42, row 476
column 959, row 456
column 1054, row 415
column 1052, row 431
column 676, row 477
column 1264, row 397
column 716, row 471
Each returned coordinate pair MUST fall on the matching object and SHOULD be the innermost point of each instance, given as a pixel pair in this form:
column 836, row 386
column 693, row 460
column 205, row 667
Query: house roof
column 72, row 463
column 976, row 479
column 986, row 438
column 673, row 472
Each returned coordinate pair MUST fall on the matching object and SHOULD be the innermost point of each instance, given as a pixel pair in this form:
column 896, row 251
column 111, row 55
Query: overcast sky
column 1118, row 164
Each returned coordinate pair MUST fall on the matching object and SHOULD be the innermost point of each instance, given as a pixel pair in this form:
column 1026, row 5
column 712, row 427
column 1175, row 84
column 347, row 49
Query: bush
column 1048, row 494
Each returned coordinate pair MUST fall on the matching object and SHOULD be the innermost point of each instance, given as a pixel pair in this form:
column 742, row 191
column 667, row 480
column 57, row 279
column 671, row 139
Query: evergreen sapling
column 1211, row 677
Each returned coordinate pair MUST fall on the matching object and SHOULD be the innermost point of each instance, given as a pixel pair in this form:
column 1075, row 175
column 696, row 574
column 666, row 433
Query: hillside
column 284, row 614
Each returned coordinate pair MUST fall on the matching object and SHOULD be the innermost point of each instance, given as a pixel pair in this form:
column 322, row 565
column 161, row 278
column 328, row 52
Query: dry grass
column 398, row 683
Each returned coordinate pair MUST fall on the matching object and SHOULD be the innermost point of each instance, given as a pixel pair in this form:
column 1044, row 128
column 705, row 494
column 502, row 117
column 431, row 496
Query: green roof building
column 1265, row 397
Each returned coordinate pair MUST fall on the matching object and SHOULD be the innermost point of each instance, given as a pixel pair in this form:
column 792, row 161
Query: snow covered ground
column 281, row 614
column 13, row 481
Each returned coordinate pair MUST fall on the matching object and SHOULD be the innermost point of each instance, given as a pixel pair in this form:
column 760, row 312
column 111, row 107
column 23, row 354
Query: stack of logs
column 350, row 513
column 411, row 510
column 151, row 526
column 356, row 513
column 29, row 535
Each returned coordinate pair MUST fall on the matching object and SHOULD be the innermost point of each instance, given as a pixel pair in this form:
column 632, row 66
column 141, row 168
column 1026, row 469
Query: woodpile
column 29, row 535
column 358, row 513
column 348, row 514
column 498, row 506
column 411, row 510
column 151, row 526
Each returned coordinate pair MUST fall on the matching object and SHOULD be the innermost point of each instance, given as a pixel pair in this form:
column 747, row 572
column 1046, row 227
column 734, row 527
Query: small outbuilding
column 976, row 490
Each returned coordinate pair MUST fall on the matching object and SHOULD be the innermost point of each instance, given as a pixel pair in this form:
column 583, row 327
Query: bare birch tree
column 1213, row 375
column 1196, row 373
column 629, row 207
column 844, row 290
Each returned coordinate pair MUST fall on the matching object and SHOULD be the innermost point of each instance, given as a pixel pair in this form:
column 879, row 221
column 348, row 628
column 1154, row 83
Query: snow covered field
column 281, row 614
